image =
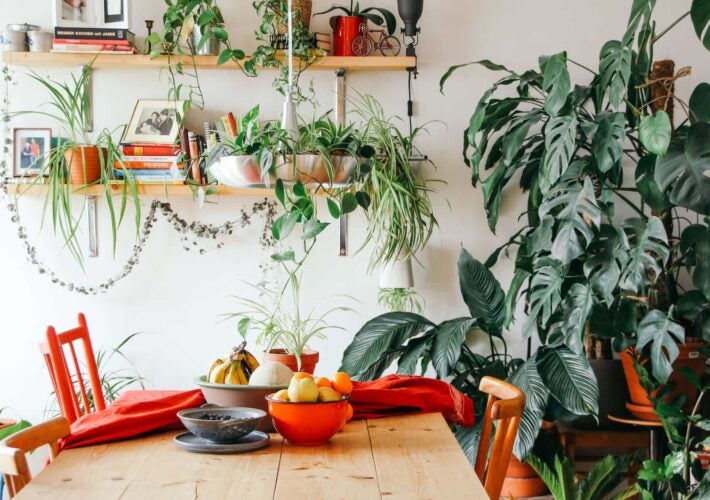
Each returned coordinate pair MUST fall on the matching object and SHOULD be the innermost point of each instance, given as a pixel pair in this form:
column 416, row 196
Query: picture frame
column 30, row 148
column 153, row 121
column 111, row 14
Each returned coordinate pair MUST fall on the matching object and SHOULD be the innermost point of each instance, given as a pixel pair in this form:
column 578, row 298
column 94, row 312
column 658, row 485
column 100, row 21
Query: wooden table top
column 408, row 457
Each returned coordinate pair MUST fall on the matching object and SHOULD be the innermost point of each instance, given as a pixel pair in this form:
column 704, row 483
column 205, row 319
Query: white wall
column 177, row 297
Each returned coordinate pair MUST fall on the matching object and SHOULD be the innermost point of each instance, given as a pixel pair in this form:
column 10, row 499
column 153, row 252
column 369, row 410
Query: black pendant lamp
column 410, row 11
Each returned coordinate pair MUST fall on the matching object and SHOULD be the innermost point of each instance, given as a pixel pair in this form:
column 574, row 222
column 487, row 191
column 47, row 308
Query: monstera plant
column 587, row 155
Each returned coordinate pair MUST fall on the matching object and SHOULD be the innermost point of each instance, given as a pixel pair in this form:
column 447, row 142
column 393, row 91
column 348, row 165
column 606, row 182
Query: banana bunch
column 235, row 369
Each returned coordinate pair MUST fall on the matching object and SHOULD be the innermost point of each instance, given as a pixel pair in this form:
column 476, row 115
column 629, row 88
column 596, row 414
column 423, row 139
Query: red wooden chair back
column 65, row 374
column 505, row 405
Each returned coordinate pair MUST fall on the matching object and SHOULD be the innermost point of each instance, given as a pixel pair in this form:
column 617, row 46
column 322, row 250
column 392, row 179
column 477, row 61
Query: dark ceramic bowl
column 241, row 421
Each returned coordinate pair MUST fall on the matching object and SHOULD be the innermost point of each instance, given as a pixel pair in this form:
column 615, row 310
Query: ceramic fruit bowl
column 307, row 424
column 221, row 425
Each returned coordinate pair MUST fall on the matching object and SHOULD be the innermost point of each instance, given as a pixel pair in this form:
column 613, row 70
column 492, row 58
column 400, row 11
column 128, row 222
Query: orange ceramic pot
column 307, row 424
column 521, row 480
column 84, row 164
column 345, row 31
column 309, row 359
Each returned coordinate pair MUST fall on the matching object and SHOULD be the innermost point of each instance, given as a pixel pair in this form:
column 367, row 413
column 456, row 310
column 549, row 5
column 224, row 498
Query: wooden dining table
column 404, row 457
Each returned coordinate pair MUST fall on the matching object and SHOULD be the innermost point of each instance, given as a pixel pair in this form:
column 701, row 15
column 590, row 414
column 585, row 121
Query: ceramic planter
column 309, row 359
column 210, row 48
column 689, row 357
column 84, row 164
column 239, row 171
column 397, row 274
column 345, row 31
column 521, row 480
column 313, row 169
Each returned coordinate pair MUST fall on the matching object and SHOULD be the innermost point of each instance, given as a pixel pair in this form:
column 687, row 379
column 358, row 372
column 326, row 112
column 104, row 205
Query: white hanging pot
column 397, row 274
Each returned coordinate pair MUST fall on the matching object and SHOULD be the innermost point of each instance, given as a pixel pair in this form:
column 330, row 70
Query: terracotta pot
column 688, row 357
column 308, row 359
column 83, row 164
column 345, row 31
column 521, row 480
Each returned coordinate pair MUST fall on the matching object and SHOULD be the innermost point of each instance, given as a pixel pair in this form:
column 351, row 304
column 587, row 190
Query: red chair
column 61, row 373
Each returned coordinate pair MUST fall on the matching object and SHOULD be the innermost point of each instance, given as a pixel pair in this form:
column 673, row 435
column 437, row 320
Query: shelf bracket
column 89, row 98
column 93, row 226
column 340, row 99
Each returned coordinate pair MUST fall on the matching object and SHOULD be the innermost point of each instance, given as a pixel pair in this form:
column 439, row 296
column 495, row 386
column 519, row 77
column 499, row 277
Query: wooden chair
column 61, row 375
column 13, row 462
column 505, row 405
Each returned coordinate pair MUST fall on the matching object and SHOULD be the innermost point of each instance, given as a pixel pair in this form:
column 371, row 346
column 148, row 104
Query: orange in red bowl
column 307, row 424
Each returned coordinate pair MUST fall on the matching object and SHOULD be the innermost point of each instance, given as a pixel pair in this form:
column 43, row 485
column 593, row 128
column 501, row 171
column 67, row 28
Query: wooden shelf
column 157, row 190
column 120, row 61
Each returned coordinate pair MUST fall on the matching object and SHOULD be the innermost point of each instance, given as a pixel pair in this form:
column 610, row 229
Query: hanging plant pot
column 345, row 30
column 397, row 274
column 84, row 164
column 211, row 46
column 309, row 359
column 640, row 406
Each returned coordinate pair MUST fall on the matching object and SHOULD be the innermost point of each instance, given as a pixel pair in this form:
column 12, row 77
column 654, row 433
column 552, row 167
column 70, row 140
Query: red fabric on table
column 404, row 394
column 132, row 414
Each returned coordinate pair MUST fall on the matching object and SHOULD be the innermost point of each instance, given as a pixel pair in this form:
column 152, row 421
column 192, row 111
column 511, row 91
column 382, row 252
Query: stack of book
column 321, row 41
column 151, row 163
column 94, row 40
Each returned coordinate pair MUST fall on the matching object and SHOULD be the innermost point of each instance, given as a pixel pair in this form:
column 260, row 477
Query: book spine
column 95, row 33
column 150, row 150
column 90, row 41
column 195, row 157
column 165, row 158
column 68, row 47
column 153, row 165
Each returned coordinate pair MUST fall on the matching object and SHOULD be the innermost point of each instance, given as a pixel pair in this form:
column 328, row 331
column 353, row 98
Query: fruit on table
column 323, row 382
column 271, row 373
column 302, row 375
column 328, row 394
column 342, row 383
column 236, row 369
column 282, row 395
column 303, row 390
column 351, row 412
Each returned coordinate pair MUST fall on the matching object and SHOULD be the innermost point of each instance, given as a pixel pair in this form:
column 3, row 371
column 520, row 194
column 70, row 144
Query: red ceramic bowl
column 307, row 424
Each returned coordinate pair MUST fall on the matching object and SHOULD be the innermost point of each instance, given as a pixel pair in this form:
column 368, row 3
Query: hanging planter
column 397, row 274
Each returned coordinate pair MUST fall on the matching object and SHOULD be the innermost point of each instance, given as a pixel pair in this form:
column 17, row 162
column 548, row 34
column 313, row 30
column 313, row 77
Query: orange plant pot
column 521, row 480
column 689, row 357
column 84, row 164
column 347, row 28
column 307, row 424
column 309, row 359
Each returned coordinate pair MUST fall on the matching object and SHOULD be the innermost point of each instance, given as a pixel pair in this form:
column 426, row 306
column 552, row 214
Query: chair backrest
column 13, row 462
column 61, row 374
column 505, row 405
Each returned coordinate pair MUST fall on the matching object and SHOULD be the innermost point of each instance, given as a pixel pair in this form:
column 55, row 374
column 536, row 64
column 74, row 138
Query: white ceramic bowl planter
column 239, row 171
column 397, row 274
column 313, row 169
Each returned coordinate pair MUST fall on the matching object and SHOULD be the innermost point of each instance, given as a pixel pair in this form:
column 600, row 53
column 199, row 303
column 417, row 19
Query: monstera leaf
column 648, row 250
column 661, row 333
column 577, row 214
column 685, row 171
column 639, row 18
column 647, row 186
column 378, row 336
column 482, row 293
column 608, row 141
column 570, row 379
column 614, row 71
column 655, row 132
column 544, row 296
column 448, row 338
column 700, row 15
column 555, row 81
column 528, row 380
column 607, row 256
column 578, row 304
column 560, row 134
column 699, row 104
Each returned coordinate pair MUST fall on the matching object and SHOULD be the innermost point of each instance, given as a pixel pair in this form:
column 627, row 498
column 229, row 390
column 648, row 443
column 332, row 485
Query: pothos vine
column 190, row 232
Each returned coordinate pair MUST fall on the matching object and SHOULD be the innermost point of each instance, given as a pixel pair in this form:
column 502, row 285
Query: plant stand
column 654, row 437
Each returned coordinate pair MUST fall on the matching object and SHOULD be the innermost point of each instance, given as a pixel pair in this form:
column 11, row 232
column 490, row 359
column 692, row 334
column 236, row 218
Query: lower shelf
column 157, row 190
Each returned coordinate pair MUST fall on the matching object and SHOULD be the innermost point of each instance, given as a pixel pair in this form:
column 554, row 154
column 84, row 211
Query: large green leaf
column 378, row 336
column 648, row 187
column 527, row 379
column 468, row 438
column 570, row 379
column 448, row 338
column 695, row 246
column 699, row 104
column 685, row 171
column 578, row 304
column 639, row 18
column 700, row 15
column 555, row 81
column 655, row 132
column 576, row 214
column 614, row 71
column 561, row 482
column 560, row 134
column 484, row 62
column 608, row 142
column 544, row 297
column 603, row 477
column 662, row 334
column 606, row 257
column 482, row 293
column 648, row 250
column 416, row 349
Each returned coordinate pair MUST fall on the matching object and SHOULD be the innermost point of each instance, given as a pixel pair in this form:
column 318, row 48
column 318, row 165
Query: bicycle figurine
column 364, row 43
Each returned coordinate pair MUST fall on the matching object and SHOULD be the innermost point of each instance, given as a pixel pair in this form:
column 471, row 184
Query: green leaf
column 699, row 104
column 685, row 171
column 484, row 62
column 608, row 141
column 280, row 192
column 243, row 327
column 662, row 334
column 449, row 336
column 299, row 189
column 378, row 336
column 604, row 477
column 648, row 187
column 551, row 480
column 700, row 15
column 640, row 16
column 9, row 431
column 349, row 203
column 570, row 379
column 544, row 297
column 312, row 228
column 482, row 293
column 555, row 81
column 606, row 257
column 333, row 209
column 224, row 57
column 648, row 250
column 363, row 199
column 416, row 349
column 560, row 134
column 655, row 132
column 284, row 225
column 527, row 379
column 578, row 304
column 615, row 71
column 286, row 256
column 468, row 438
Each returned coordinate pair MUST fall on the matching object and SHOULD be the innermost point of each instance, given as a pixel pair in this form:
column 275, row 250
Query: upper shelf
column 158, row 190
column 374, row 63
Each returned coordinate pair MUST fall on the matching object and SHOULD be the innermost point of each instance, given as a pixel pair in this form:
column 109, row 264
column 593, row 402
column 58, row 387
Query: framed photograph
column 30, row 150
column 154, row 121
column 91, row 14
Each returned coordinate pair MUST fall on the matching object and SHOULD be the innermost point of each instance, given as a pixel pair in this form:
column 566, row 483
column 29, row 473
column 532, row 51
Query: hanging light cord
column 290, row 46
column 410, row 109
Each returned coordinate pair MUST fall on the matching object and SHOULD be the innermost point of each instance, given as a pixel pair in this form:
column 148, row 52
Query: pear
column 304, row 390
column 282, row 395
column 328, row 394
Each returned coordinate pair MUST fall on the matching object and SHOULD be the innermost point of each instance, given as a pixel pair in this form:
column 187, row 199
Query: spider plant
column 400, row 300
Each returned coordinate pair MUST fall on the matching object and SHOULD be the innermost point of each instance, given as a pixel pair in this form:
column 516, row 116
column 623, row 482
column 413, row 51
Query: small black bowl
column 228, row 425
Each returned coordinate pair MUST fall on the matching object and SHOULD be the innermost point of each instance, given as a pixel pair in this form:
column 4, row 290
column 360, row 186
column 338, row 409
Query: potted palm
column 350, row 25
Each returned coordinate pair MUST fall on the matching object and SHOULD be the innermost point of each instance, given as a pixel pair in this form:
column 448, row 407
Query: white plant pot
column 397, row 274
